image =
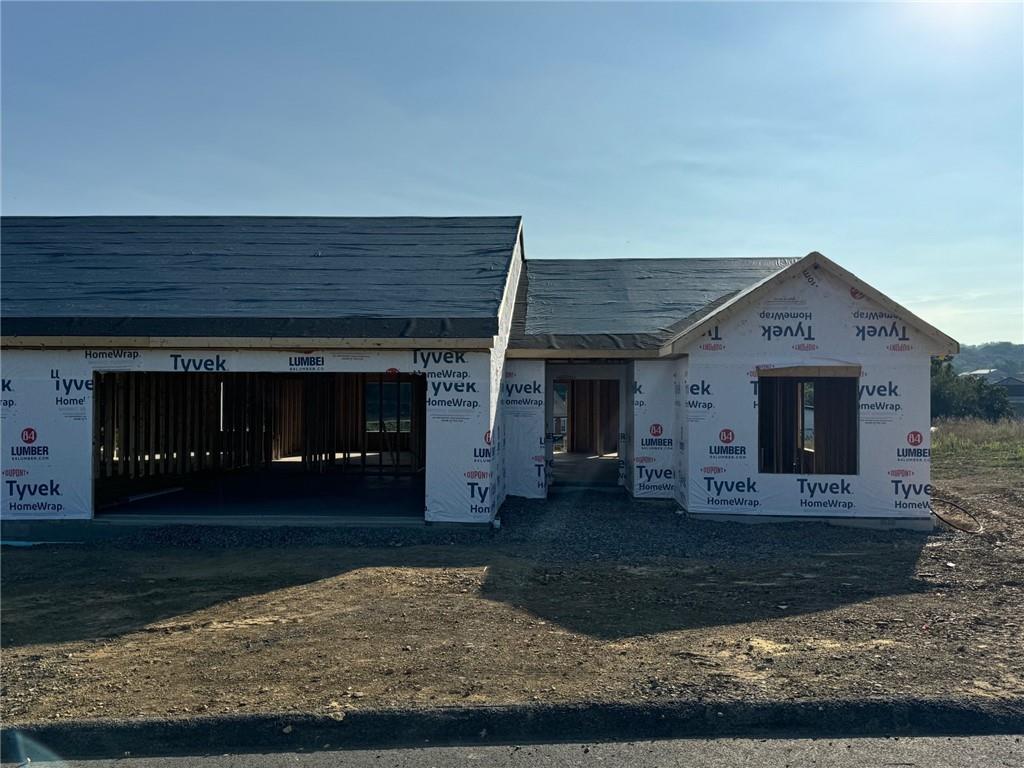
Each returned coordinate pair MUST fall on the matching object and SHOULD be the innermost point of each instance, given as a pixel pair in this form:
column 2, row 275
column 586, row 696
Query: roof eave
column 298, row 344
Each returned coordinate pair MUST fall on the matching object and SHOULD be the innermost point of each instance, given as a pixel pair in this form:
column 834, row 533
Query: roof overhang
column 520, row 353
column 235, row 342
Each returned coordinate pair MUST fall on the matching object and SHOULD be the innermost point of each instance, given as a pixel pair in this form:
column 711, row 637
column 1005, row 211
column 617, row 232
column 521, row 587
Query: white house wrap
column 466, row 341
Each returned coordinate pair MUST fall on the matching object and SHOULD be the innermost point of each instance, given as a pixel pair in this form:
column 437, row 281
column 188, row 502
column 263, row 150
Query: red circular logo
column 915, row 438
column 487, row 437
column 656, row 430
column 856, row 294
column 28, row 435
column 726, row 436
column 391, row 371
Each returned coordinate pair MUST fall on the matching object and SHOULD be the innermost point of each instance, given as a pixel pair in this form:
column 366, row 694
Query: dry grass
column 974, row 448
column 971, row 434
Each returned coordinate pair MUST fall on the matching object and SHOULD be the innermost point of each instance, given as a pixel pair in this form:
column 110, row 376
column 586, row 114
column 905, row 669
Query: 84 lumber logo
column 726, row 450
column 656, row 440
column 29, row 448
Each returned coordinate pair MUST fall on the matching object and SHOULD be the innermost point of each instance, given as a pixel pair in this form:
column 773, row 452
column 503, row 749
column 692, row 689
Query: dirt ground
column 586, row 598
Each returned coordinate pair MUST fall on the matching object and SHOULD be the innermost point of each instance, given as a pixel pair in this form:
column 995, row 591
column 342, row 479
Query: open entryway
column 585, row 426
column 271, row 444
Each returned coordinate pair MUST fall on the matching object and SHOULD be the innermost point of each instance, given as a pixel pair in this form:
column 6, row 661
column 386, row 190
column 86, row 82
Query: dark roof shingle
column 625, row 303
column 255, row 276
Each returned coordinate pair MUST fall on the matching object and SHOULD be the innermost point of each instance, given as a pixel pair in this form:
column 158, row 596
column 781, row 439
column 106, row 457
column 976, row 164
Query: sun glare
column 957, row 22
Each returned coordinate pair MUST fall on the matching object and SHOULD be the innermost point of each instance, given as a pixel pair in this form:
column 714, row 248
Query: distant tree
column 966, row 396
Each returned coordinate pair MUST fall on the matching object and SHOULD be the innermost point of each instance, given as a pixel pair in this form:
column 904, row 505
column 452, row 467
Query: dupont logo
column 643, row 459
column 540, row 459
column 857, row 295
column 487, row 437
column 478, row 474
column 391, row 371
column 899, row 472
column 712, row 470
column 726, row 436
column 899, row 347
column 28, row 435
column 914, row 438
column 656, row 430
column 15, row 472
column 806, row 346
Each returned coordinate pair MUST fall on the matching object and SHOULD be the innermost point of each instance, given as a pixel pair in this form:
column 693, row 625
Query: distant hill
column 996, row 354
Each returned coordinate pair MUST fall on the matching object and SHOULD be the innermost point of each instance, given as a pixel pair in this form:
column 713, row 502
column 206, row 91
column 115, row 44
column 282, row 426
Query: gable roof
column 347, row 281
column 679, row 343
column 254, row 276
column 623, row 304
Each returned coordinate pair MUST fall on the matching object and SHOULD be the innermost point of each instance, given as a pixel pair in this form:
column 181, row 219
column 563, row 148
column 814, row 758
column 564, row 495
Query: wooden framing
column 157, row 430
column 592, row 408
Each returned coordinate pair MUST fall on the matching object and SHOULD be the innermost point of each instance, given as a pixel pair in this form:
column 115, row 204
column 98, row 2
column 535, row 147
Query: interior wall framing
column 154, row 430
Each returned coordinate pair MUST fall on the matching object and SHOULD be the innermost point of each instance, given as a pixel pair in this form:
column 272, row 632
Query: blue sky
column 890, row 137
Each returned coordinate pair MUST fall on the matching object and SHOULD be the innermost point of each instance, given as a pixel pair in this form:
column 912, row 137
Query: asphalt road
column 931, row 752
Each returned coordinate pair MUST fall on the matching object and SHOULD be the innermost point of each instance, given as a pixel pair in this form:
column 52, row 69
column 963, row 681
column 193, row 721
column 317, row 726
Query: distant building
column 1014, row 386
column 990, row 375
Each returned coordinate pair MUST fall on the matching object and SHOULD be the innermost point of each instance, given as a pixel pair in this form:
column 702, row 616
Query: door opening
column 586, row 432
column 259, row 443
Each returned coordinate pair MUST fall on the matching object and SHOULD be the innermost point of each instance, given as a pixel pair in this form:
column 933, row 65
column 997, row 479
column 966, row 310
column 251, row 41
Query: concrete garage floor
column 282, row 493
column 581, row 470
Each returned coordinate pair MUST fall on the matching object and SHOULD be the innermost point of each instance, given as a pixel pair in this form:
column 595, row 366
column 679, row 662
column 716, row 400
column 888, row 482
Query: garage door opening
column 259, row 443
column 586, row 432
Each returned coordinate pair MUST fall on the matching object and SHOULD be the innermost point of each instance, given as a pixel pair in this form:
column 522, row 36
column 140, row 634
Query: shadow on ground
column 596, row 564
